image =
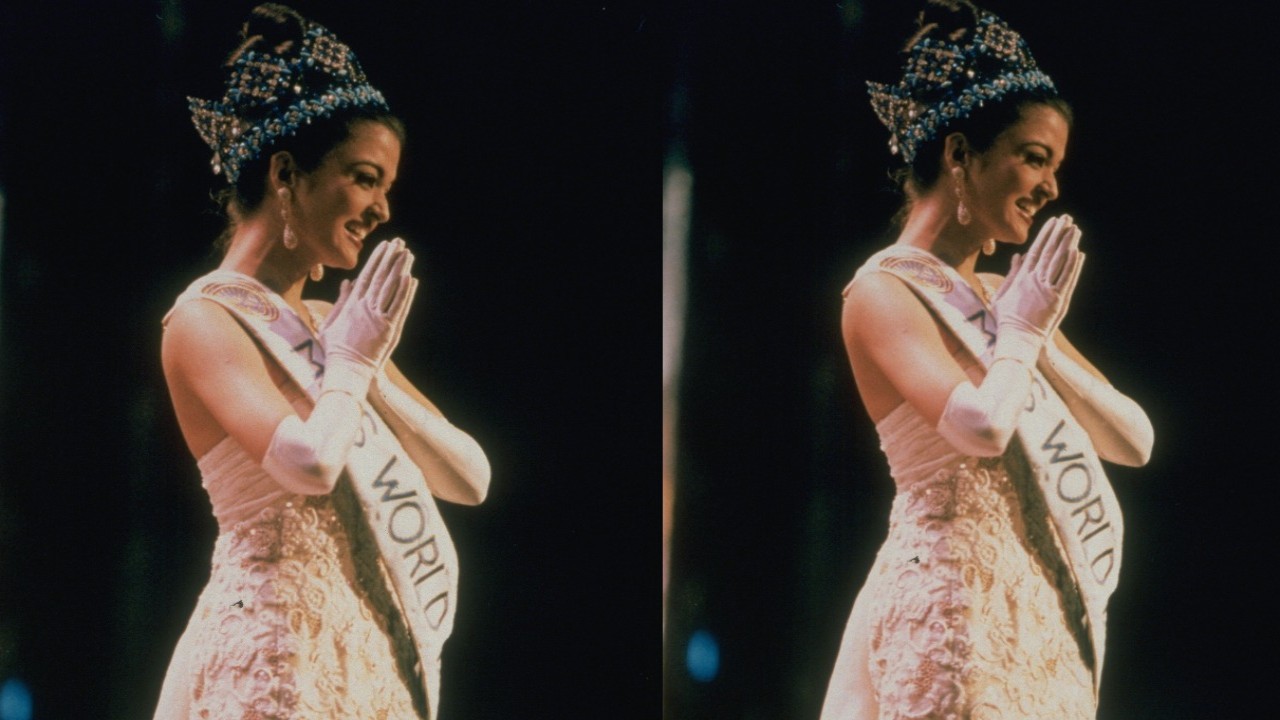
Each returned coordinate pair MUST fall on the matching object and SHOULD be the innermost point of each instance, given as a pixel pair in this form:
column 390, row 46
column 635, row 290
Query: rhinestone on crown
column 945, row 80
column 269, row 97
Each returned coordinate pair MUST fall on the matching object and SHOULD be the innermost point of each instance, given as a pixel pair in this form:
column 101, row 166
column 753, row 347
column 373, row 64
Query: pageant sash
column 1083, row 508
column 400, row 512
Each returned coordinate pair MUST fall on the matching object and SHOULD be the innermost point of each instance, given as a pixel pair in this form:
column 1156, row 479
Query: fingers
column 371, row 268
column 1047, row 232
column 1061, row 255
column 1070, row 287
column 1050, row 238
column 1070, row 256
column 395, row 277
column 344, row 291
column 1015, row 264
column 1054, row 250
column 400, row 308
column 382, row 274
column 385, row 285
column 1040, row 282
column 400, row 312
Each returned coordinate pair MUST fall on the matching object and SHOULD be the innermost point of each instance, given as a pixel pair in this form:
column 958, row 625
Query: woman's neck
column 931, row 225
column 257, row 251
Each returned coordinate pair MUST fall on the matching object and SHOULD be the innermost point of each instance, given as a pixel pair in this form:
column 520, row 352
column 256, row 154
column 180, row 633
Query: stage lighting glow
column 702, row 656
column 15, row 700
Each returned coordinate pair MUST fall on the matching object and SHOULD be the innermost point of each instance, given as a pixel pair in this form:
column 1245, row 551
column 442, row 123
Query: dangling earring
column 317, row 272
column 289, row 238
column 962, row 212
column 989, row 246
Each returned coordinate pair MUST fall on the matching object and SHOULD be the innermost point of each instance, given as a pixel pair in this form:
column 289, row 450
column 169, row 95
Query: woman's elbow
column 990, row 441
column 1132, row 457
column 324, row 476
column 1136, row 450
column 979, row 441
column 971, row 427
column 475, row 483
column 1125, row 437
column 1146, row 441
column 305, row 476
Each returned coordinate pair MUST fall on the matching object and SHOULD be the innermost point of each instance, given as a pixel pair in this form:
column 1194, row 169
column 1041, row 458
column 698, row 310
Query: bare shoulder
column 878, row 302
column 202, row 333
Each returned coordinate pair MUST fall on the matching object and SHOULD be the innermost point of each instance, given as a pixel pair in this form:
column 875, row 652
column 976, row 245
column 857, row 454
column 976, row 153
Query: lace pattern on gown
column 967, row 619
column 286, row 630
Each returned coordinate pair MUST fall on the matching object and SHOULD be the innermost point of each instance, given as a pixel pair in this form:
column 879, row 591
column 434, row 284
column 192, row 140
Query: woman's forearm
column 453, row 463
column 1118, row 427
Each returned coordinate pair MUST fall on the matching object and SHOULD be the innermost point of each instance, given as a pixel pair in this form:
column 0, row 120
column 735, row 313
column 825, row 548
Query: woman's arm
column 902, row 341
column 210, row 358
column 453, row 463
column 212, row 362
column 886, row 325
column 1117, row 425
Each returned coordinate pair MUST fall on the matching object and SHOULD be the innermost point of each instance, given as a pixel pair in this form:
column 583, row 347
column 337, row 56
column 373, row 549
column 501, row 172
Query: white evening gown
column 288, row 627
column 961, row 616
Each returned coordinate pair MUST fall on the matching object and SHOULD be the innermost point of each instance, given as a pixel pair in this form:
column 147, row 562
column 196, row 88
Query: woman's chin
column 1017, row 235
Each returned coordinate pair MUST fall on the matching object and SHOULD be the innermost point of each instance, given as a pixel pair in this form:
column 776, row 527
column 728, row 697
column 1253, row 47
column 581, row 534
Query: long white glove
column 308, row 456
column 1028, row 306
column 1118, row 427
column 452, row 462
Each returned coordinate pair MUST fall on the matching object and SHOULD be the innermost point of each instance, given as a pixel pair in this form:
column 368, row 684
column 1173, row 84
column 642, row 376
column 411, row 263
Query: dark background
column 783, row 492
column 527, row 192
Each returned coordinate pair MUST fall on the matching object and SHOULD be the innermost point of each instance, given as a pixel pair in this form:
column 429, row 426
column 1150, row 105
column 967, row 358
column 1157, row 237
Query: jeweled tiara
column 269, row 97
column 945, row 80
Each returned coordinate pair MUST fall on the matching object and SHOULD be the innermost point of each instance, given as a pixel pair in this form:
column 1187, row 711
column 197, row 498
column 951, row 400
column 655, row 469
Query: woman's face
column 1017, row 175
column 344, row 199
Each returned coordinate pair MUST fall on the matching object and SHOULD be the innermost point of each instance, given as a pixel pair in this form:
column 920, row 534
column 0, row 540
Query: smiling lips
column 356, row 232
column 1026, row 208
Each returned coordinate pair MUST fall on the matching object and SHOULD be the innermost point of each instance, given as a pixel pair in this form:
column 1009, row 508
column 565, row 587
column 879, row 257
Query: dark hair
column 952, row 19
column 279, row 29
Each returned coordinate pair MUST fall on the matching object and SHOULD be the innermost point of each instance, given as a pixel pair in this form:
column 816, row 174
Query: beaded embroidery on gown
column 285, row 628
column 961, row 615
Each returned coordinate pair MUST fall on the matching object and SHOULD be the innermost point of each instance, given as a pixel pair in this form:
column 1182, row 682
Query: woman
column 988, row 598
column 334, row 581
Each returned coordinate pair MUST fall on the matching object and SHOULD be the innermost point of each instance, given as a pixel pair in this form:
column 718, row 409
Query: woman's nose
column 1050, row 186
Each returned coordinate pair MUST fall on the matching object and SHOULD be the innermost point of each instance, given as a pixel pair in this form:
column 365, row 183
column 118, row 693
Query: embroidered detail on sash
column 245, row 297
column 924, row 270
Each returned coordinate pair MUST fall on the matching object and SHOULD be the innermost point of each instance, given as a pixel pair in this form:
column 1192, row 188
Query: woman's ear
column 956, row 152
column 283, row 171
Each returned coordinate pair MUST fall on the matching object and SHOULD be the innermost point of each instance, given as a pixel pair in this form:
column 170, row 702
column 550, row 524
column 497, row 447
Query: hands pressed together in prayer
column 1034, row 298
column 365, row 324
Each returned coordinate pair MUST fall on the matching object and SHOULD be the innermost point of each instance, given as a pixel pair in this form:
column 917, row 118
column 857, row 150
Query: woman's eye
column 1036, row 159
column 366, row 179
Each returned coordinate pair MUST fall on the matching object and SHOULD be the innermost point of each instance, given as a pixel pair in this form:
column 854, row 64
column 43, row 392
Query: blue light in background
column 702, row 657
column 15, row 700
